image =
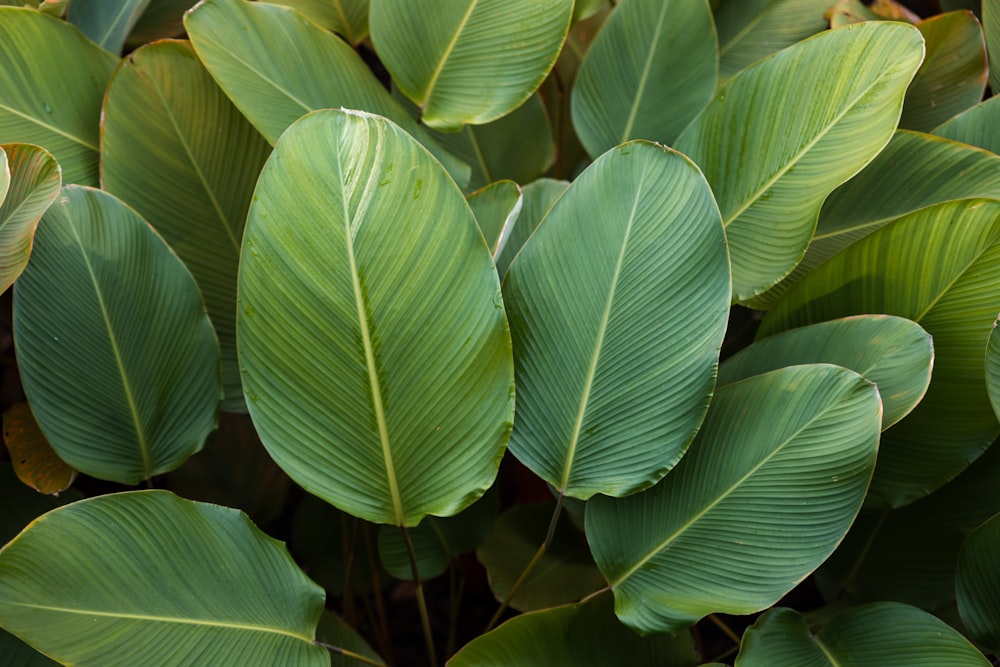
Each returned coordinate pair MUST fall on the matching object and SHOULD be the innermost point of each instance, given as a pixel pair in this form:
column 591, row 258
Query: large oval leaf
column 618, row 304
column 781, row 135
column 373, row 339
column 106, row 23
column 753, row 29
column 579, row 634
column 886, row 634
column 939, row 267
column 276, row 65
column 953, row 76
column 118, row 359
column 116, row 579
column 177, row 150
column 769, row 488
column 977, row 583
column 537, row 198
column 991, row 26
column 35, row 179
column 914, row 171
column 650, row 70
column 347, row 18
column 894, row 353
column 52, row 80
column 468, row 61
column 976, row 126
column 496, row 208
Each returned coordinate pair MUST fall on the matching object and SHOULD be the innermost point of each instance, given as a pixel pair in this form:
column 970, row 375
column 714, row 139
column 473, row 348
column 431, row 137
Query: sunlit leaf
column 34, row 181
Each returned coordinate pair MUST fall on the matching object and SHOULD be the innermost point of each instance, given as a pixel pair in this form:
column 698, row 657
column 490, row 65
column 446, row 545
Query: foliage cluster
column 436, row 293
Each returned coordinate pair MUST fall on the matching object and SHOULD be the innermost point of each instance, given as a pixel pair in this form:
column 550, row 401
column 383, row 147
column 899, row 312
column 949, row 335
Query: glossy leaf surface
column 976, row 126
column 894, row 353
column 180, row 153
column 952, row 77
column 779, row 137
column 650, row 70
column 768, row 489
column 276, row 65
column 117, row 356
column 937, row 267
column 888, row 634
column 115, row 579
column 618, row 305
column 43, row 101
column 496, row 208
column 579, row 634
column 468, row 61
column 373, row 341
column 753, row 29
column 34, row 181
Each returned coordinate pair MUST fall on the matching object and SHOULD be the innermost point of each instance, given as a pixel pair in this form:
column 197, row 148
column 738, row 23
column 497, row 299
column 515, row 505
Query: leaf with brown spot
column 35, row 462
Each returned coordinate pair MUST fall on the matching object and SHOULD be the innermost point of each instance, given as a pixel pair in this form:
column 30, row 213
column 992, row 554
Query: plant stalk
column 350, row 654
column 425, row 618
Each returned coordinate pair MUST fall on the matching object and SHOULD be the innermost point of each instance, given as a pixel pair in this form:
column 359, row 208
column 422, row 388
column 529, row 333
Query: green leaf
column 334, row 631
column 52, row 80
column 894, row 353
column 579, row 634
column 468, row 61
column 618, row 305
column 162, row 19
column 768, row 489
column 584, row 9
column 781, row 135
column 977, row 583
column 347, row 18
column 991, row 26
column 952, row 77
column 537, row 199
column 976, row 127
column 34, row 179
column 436, row 541
column 993, row 369
column 276, row 65
column 564, row 573
column 496, row 208
column 909, row 554
column 939, row 268
column 116, row 579
column 887, row 634
column 118, row 359
column 650, row 70
column 753, row 29
column 106, row 22
column 181, row 154
column 373, row 340
column 518, row 146
column 914, row 171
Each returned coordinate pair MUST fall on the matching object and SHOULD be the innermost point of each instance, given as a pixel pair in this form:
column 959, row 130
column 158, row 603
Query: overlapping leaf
column 579, row 634
column 116, row 579
column 618, row 305
column 779, row 137
column 991, row 26
column 373, row 341
column 892, row 352
column 276, row 65
column 753, row 29
column 650, row 70
column 952, row 77
column 993, row 369
column 887, row 634
column 939, row 268
column 33, row 182
column 768, row 489
column 106, row 23
column 496, row 208
column 44, row 101
column 914, row 171
column 118, row 358
column 33, row 458
column 176, row 149
column 348, row 18
column 977, row 126
column 536, row 200
column 977, row 583
column 468, row 61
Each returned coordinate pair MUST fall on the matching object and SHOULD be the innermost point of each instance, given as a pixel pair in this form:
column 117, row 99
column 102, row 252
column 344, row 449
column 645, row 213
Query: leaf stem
column 530, row 566
column 385, row 646
column 425, row 618
column 725, row 628
column 350, row 654
column 456, row 586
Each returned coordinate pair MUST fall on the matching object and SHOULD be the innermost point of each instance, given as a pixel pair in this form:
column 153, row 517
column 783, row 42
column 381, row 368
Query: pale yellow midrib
column 447, row 53
column 644, row 79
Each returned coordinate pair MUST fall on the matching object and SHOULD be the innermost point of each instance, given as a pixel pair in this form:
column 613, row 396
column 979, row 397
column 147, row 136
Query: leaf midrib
column 447, row 52
column 144, row 449
column 719, row 499
column 793, row 160
column 165, row 619
column 598, row 343
column 644, row 79
column 50, row 128
column 362, row 313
